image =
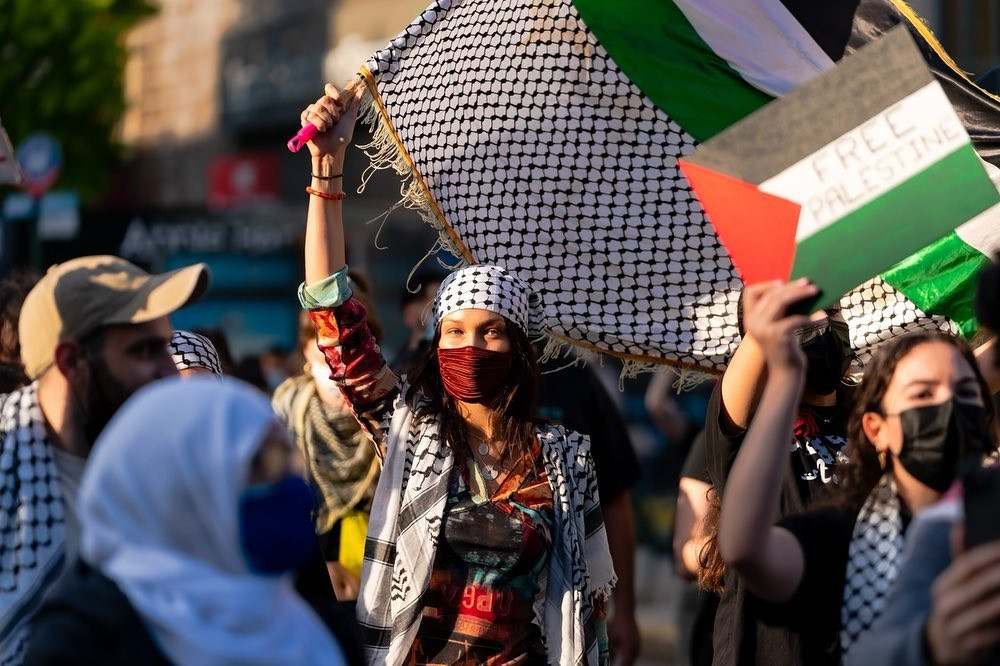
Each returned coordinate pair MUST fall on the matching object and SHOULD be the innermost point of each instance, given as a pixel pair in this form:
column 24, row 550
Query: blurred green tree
column 61, row 71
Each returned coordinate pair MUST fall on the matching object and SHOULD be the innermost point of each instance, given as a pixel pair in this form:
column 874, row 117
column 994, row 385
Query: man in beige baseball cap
column 92, row 331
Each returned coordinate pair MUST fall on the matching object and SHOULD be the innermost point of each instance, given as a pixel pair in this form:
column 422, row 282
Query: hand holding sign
column 845, row 176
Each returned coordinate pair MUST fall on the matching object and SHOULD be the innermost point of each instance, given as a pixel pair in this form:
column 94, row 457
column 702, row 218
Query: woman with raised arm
column 922, row 410
column 486, row 543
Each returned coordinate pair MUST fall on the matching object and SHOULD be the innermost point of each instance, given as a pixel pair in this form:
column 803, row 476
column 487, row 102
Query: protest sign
column 845, row 176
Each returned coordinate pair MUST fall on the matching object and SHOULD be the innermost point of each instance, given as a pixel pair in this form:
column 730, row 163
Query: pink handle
column 302, row 138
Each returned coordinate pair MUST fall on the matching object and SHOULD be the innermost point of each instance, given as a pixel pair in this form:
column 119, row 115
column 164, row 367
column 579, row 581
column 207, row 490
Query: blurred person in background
column 274, row 367
column 12, row 293
column 220, row 342
column 921, row 412
column 194, row 355
column 340, row 458
column 571, row 395
column 486, row 542
column 415, row 308
column 93, row 331
column 192, row 513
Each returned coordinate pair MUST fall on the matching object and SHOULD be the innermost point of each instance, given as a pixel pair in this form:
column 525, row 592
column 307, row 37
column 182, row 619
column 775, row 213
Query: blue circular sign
column 40, row 158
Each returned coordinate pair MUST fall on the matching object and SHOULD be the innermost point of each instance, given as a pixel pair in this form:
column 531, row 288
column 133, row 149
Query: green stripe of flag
column 662, row 53
column 903, row 218
column 942, row 278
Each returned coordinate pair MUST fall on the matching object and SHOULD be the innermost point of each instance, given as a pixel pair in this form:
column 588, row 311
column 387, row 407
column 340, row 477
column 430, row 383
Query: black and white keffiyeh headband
column 494, row 289
column 191, row 350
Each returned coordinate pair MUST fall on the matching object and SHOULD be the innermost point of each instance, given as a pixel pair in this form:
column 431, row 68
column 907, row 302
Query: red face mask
column 471, row 374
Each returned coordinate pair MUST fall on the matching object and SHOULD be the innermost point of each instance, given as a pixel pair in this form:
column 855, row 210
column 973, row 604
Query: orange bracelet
column 339, row 196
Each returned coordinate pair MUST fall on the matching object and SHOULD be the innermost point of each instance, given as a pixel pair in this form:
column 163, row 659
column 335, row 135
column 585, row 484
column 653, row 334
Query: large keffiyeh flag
column 543, row 135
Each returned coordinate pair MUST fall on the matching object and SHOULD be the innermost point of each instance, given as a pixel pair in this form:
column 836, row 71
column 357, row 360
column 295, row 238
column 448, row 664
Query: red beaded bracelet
column 339, row 196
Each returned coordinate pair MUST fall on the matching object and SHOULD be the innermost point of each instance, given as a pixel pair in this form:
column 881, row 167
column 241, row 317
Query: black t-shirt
column 696, row 464
column 812, row 615
column 741, row 637
column 575, row 398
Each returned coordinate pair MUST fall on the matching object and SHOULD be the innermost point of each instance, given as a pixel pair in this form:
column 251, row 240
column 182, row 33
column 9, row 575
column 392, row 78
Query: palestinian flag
column 798, row 188
column 544, row 135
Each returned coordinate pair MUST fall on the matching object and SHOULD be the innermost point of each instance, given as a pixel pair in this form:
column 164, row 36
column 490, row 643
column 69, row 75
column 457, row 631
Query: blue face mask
column 276, row 527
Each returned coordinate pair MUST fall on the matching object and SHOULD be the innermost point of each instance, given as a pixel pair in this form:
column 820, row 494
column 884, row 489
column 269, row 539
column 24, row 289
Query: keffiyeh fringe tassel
column 386, row 151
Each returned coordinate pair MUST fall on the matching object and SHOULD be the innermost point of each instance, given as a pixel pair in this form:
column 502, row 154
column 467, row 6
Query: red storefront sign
column 235, row 181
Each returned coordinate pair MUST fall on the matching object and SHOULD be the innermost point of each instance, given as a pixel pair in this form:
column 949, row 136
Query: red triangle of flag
column 756, row 228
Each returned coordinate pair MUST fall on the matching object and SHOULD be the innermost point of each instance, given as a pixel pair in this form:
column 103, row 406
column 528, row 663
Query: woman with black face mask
column 816, row 449
column 486, row 542
column 920, row 413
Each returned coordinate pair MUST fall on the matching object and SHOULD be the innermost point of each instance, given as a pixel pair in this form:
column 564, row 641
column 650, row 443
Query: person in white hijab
column 191, row 507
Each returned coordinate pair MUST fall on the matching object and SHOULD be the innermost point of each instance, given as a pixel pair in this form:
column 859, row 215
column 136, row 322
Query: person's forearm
column 619, row 523
column 742, row 384
column 324, row 241
column 754, row 486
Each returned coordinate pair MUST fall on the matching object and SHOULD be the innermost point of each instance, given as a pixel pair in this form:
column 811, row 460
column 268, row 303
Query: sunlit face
column 929, row 374
column 312, row 353
column 137, row 354
column 474, row 328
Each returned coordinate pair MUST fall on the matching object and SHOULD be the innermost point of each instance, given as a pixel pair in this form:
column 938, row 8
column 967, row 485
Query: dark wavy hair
column 858, row 476
column 515, row 406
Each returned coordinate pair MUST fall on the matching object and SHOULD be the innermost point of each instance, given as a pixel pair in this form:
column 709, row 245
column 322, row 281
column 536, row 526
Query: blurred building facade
column 213, row 93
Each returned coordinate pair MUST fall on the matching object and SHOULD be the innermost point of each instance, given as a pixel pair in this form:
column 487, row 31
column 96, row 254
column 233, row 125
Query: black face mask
column 827, row 346
column 937, row 439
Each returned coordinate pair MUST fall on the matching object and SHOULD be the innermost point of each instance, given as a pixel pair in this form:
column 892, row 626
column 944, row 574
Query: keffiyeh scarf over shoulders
column 31, row 518
column 406, row 523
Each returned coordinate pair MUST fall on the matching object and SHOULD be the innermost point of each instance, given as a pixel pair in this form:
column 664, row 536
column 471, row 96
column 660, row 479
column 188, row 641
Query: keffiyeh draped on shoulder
column 406, row 522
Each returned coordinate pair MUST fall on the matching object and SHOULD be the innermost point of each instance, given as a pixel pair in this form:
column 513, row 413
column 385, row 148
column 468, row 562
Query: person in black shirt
column 816, row 449
column 574, row 397
column 920, row 412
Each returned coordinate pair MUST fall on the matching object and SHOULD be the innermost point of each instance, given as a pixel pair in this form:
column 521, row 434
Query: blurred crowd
column 467, row 498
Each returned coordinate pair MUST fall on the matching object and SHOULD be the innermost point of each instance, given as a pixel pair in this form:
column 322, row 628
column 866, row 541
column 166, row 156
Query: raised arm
column 768, row 559
column 334, row 116
column 342, row 334
column 741, row 385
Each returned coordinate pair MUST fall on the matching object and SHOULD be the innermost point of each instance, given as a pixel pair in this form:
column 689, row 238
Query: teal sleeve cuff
column 329, row 293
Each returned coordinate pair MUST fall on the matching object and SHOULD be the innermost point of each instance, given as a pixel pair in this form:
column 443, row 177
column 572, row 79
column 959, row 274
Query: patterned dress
column 493, row 549
column 561, row 554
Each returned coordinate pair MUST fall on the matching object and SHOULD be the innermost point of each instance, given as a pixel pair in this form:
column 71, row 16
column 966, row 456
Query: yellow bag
column 353, row 530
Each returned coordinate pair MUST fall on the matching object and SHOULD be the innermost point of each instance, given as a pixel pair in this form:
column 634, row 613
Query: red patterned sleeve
column 357, row 365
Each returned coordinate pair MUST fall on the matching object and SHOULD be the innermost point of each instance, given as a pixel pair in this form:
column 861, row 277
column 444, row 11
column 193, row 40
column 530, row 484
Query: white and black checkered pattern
column 31, row 518
column 490, row 288
column 543, row 157
column 873, row 561
column 191, row 350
